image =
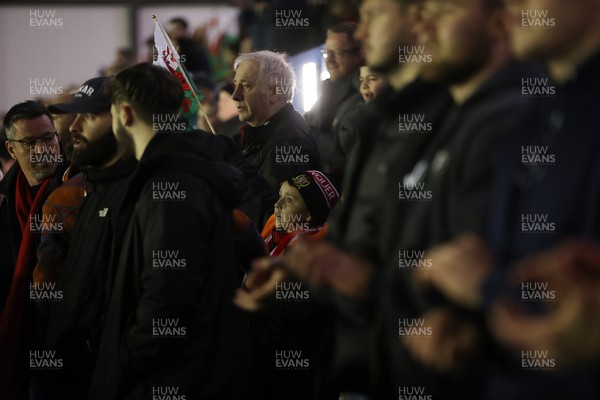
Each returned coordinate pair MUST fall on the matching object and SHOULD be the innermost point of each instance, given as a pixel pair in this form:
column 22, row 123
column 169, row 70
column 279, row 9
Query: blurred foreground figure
column 547, row 190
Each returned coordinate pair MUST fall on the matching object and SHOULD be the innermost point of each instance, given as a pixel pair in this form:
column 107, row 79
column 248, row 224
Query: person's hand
column 458, row 268
column 316, row 262
column 322, row 264
column 570, row 329
column 260, row 284
column 453, row 342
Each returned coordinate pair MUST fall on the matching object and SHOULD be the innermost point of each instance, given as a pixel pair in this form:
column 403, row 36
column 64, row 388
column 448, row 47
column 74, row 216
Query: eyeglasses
column 47, row 139
column 326, row 53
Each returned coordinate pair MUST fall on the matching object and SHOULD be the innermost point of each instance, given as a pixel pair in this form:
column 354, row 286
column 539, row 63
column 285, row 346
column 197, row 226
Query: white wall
column 66, row 55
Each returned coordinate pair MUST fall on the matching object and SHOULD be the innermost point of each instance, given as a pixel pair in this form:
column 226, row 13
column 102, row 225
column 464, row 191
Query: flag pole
column 169, row 43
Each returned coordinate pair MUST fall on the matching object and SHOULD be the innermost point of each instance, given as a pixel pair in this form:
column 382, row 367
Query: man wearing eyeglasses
column 339, row 97
column 33, row 142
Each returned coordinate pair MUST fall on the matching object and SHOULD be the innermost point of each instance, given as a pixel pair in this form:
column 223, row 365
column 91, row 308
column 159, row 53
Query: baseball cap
column 90, row 98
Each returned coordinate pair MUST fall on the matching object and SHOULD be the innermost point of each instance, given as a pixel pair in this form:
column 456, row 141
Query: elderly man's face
column 254, row 104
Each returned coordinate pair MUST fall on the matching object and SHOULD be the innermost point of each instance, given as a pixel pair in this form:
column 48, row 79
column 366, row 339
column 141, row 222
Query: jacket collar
column 260, row 134
column 117, row 170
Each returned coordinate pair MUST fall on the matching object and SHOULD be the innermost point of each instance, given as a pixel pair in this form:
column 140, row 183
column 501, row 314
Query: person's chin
column 44, row 171
column 242, row 115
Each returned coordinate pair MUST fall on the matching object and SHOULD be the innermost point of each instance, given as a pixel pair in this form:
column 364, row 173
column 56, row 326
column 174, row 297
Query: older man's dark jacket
column 281, row 147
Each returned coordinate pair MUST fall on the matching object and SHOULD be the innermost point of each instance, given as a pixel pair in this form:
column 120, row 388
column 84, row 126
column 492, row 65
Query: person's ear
column 11, row 149
column 126, row 114
column 499, row 20
column 274, row 93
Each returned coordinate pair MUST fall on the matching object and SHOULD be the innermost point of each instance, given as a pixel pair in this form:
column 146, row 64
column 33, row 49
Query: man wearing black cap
column 74, row 322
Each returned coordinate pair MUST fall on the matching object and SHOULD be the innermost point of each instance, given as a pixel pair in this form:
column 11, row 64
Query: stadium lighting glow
column 309, row 85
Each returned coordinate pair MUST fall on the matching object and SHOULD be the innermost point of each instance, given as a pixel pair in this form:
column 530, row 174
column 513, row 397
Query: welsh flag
column 169, row 59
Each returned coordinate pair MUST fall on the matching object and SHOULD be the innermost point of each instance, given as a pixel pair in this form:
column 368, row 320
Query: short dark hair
column 25, row 110
column 348, row 28
column 149, row 89
column 179, row 21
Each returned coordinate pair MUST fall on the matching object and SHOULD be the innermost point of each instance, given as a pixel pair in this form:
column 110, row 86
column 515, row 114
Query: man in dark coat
column 544, row 218
column 33, row 142
column 339, row 98
column 74, row 324
column 170, row 324
column 277, row 139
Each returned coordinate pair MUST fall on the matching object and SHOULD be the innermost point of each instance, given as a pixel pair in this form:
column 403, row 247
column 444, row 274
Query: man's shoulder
column 293, row 125
column 71, row 192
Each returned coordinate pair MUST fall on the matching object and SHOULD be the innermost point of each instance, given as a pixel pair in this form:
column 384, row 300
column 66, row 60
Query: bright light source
column 324, row 74
column 309, row 85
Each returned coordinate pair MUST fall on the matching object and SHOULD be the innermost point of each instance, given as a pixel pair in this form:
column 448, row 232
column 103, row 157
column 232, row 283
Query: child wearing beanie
column 305, row 201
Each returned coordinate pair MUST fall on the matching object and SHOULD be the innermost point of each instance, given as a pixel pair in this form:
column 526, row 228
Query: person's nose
column 237, row 93
column 76, row 125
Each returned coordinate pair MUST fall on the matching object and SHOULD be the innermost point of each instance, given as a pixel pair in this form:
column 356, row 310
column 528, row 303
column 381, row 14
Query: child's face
column 291, row 213
column 370, row 84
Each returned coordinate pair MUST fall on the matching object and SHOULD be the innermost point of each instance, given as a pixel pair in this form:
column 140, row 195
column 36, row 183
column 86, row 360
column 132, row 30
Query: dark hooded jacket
column 560, row 186
column 170, row 322
column 447, row 194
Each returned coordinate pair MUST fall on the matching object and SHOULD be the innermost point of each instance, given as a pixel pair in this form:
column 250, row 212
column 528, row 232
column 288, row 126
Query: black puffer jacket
column 171, row 322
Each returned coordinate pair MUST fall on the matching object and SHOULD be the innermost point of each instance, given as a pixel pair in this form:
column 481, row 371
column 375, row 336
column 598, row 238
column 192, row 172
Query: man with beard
column 540, row 271
column 74, row 323
column 170, row 324
column 448, row 192
column 33, row 142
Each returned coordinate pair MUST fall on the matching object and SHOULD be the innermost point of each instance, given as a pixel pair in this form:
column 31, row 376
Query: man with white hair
column 276, row 139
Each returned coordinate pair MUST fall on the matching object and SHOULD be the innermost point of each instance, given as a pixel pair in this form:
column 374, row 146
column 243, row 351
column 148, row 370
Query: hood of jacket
column 199, row 154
